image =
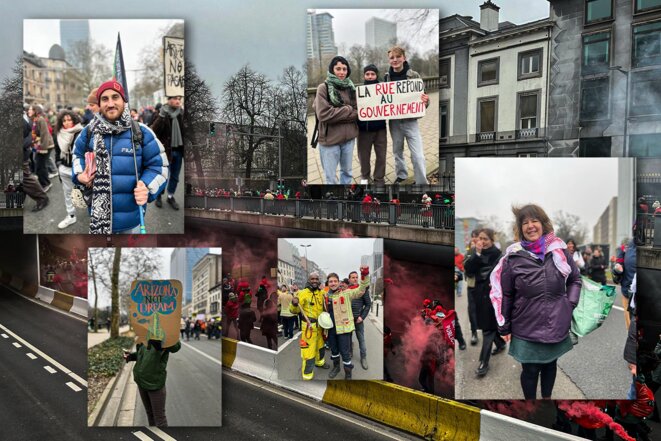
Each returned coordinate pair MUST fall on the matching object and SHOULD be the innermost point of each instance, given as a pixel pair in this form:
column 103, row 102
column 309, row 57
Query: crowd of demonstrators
column 91, row 151
column 337, row 126
column 328, row 313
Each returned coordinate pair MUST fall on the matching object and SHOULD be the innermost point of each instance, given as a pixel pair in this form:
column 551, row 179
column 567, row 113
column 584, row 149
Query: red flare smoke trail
column 593, row 415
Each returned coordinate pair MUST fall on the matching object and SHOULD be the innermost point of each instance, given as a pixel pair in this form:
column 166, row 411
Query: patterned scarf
column 334, row 85
column 538, row 247
column 101, row 214
column 551, row 243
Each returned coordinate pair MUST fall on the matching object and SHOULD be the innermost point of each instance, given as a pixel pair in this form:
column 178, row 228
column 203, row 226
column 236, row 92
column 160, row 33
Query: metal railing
column 410, row 215
column 12, row 200
column 645, row 230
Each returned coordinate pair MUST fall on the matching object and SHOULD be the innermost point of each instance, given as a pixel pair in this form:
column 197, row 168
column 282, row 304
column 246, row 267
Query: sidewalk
column 94, row 339
column 502, row 381
column 430, row 135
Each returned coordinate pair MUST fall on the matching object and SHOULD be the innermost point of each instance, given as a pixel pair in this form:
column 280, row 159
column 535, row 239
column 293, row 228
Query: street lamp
column 307, row 272
column 626, row 111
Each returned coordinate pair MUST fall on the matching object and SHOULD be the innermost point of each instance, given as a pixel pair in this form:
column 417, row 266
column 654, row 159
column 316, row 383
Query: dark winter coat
column 162, row 127
column 337, row 125
column 628, row 255
column 247, row 319
column 631, row 346
column 269, row 325
column 537, row 301
column 481, row 266
column 150, row 370
column 360, row 307
column 597, row 269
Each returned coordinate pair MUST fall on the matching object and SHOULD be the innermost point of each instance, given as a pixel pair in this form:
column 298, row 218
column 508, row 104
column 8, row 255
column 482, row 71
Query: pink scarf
column 553, row 244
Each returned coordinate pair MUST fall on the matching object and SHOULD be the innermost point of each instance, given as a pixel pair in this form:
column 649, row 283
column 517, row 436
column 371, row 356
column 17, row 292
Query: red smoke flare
column 588, row 414
column 520, row 409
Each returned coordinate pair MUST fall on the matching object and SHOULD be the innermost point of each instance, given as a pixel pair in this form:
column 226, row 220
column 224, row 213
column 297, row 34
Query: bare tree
column 569, row 225
column 419, row 24
column 116, row 269
column 200, row 107
column 10, row 131
column 248, row 103
column 91, row 61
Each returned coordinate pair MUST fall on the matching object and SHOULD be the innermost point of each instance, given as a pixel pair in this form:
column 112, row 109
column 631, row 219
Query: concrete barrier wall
column 63, row 301
column 425, row 415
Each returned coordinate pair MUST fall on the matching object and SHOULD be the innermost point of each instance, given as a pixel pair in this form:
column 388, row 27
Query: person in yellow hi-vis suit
column 339, row 307
column 310, row 302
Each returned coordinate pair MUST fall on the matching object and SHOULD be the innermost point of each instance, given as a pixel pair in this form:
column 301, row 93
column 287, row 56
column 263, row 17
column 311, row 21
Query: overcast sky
column 339, row 256
column 516, row 11
column 222, row 36
column 490, row 186
column 349, row 27
column 40, row 35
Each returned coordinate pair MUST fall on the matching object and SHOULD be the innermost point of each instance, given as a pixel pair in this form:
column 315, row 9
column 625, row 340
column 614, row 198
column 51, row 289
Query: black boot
column 473, row 338
column 482, row 370
column 336, row 369
column 158, row 202
column 347, row 372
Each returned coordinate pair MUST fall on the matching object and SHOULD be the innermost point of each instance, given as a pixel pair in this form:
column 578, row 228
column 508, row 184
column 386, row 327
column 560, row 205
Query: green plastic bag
column 593, row 307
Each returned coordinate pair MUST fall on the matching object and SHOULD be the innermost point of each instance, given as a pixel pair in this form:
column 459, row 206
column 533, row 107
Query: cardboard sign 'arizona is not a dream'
column 155, row 310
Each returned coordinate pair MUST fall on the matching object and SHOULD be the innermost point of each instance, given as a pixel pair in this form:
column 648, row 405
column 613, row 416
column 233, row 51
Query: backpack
column 315, row 132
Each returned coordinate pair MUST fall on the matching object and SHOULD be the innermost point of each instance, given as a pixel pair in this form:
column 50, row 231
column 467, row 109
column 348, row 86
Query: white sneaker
column 69, row 220
column 364, row 181
column 48, row 187
column 53, row 175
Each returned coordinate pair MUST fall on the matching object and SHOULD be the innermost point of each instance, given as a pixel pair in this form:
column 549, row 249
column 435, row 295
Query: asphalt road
column 35, row 404
column 193, row 386
column 593, row 369
column 163, row 220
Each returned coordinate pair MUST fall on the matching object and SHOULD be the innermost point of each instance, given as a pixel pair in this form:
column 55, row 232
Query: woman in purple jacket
column 534, row 290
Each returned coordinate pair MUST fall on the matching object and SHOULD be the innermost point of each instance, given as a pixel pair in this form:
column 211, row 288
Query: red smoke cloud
column 588, row 414
column 415, row 342
column 520, row 409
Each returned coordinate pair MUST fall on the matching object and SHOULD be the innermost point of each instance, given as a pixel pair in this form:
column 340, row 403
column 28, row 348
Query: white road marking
column 215, row 360
column 161, row 434
column 31, row 355
column 50, row 369
column 16, row 345
column 142, row 436
column 285, row 394
column 618, row 307
column 4, row 336
column 49, row 359
column 74, row 386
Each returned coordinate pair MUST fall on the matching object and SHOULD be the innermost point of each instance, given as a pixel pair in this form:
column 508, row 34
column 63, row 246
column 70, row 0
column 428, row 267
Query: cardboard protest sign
column 174, row 66
column 391, row 100
column 155, row 310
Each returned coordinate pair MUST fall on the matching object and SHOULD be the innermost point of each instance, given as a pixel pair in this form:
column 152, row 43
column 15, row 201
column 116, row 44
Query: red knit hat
column 111, row 84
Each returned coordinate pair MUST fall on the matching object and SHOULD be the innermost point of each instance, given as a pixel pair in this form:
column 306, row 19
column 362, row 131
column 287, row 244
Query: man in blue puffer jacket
column 117, row 198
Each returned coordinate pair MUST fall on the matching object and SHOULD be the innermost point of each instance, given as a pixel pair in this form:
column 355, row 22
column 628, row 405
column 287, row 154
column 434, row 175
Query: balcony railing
column 485, row 136
column 411, row 215
column 527, row 133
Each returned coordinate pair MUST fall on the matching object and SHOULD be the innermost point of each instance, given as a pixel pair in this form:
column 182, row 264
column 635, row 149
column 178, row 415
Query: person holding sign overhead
column 408, row 129
column 335, row 108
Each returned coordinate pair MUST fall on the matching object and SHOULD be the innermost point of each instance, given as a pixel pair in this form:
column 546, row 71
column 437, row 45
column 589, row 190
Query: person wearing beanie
column 119, row 145
column 168, row 125
column 335, row 108
column 372, row 133
column 408, row 128
column 91, row 108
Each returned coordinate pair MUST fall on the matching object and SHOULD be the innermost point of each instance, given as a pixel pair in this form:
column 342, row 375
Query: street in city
column 593, row 369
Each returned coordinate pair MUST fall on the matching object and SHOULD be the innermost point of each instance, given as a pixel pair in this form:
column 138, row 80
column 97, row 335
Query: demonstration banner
column 174, row 66
column 391, row 100
column 155, row 310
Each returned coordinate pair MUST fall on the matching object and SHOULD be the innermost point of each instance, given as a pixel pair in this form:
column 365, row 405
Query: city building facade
column 380, row 32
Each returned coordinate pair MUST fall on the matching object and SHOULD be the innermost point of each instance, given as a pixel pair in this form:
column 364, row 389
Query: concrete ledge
column 45, row 294
column 255, row 361
column 111, row 407
column 62, row 301
column 648, row 257
column 497, row 427
column 415, row 412
column 79, row 306
column 412, row 234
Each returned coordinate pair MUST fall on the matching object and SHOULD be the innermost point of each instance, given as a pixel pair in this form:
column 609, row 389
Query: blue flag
column 118, row 71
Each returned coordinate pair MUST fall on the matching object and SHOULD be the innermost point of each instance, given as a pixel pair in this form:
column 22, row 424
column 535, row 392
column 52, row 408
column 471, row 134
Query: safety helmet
column 325, row 320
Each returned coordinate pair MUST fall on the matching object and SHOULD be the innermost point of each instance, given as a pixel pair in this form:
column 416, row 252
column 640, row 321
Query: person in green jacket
column 150, row 373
